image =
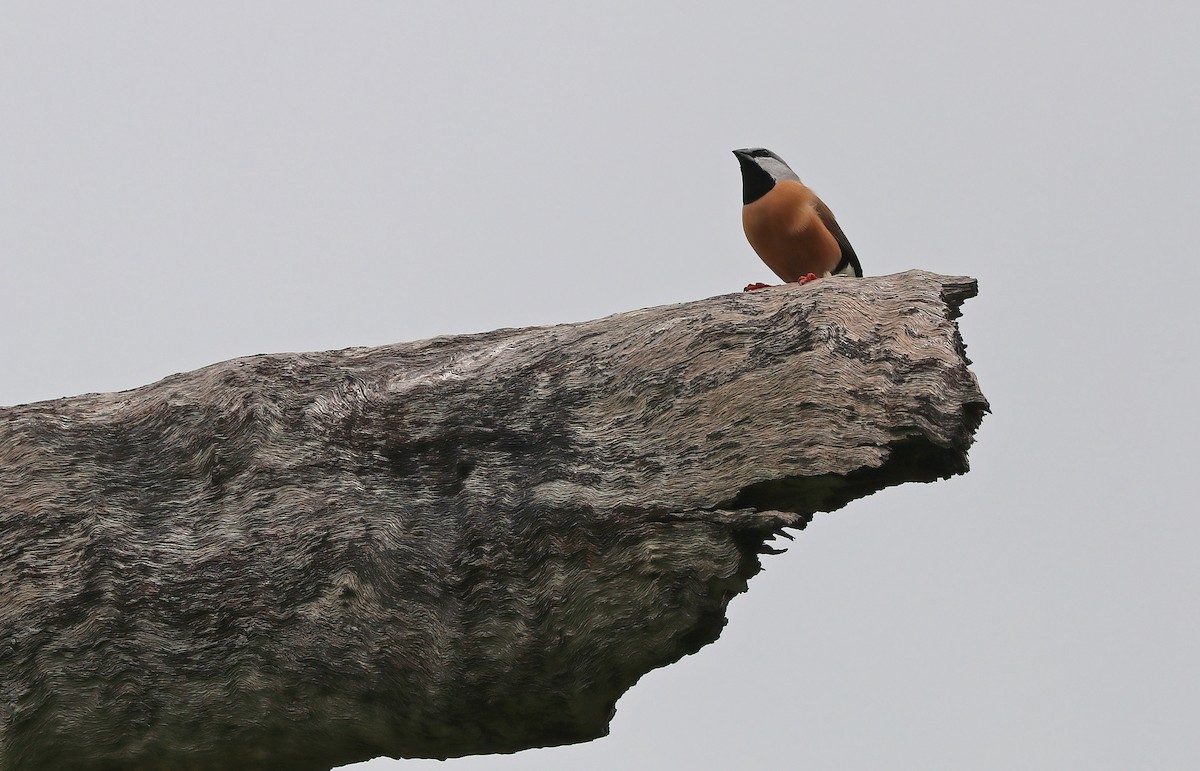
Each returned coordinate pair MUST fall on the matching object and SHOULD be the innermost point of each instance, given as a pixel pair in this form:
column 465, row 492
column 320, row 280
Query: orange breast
column 783, row 227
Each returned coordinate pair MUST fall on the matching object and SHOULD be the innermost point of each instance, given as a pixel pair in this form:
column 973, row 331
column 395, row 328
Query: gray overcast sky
column 187, row 182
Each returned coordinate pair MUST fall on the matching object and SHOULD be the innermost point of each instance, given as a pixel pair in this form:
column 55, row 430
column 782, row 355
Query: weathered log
column 461, row 545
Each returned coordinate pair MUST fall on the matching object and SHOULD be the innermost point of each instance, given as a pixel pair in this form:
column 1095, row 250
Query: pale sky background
column 186, row 182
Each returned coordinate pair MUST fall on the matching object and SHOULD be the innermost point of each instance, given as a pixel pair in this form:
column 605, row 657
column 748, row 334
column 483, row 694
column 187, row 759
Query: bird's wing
column 848, row 255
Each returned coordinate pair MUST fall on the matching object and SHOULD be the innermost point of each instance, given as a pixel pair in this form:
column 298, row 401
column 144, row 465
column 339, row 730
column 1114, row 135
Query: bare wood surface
column 460, row 545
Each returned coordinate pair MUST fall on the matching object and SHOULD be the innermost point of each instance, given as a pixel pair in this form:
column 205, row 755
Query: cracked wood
column 461, row 545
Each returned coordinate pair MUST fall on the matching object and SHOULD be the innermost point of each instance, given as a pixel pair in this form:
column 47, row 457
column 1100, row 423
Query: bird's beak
column 745, row 160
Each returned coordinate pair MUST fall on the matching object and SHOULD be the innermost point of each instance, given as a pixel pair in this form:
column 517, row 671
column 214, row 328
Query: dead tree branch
column 461, row 545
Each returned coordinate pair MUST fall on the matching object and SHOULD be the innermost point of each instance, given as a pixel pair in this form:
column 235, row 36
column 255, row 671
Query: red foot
column 756, row 285
column 809, row 277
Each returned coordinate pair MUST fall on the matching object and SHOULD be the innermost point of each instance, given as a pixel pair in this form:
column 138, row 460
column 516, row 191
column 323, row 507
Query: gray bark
column 462, row 545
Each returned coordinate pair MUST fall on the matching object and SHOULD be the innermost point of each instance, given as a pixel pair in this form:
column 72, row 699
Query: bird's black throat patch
column 756, row 181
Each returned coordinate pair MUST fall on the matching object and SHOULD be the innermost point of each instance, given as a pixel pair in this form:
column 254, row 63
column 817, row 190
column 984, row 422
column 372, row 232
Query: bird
column 790, row 228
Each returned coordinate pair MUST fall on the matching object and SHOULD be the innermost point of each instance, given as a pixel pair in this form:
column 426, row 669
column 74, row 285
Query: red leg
column 756, row 285
column 809, row 277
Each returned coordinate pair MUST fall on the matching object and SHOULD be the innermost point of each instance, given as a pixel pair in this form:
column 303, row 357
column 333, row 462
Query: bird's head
column 761, row 169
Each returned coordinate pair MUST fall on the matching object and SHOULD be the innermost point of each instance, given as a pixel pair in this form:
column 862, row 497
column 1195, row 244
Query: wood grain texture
column 460, row 545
